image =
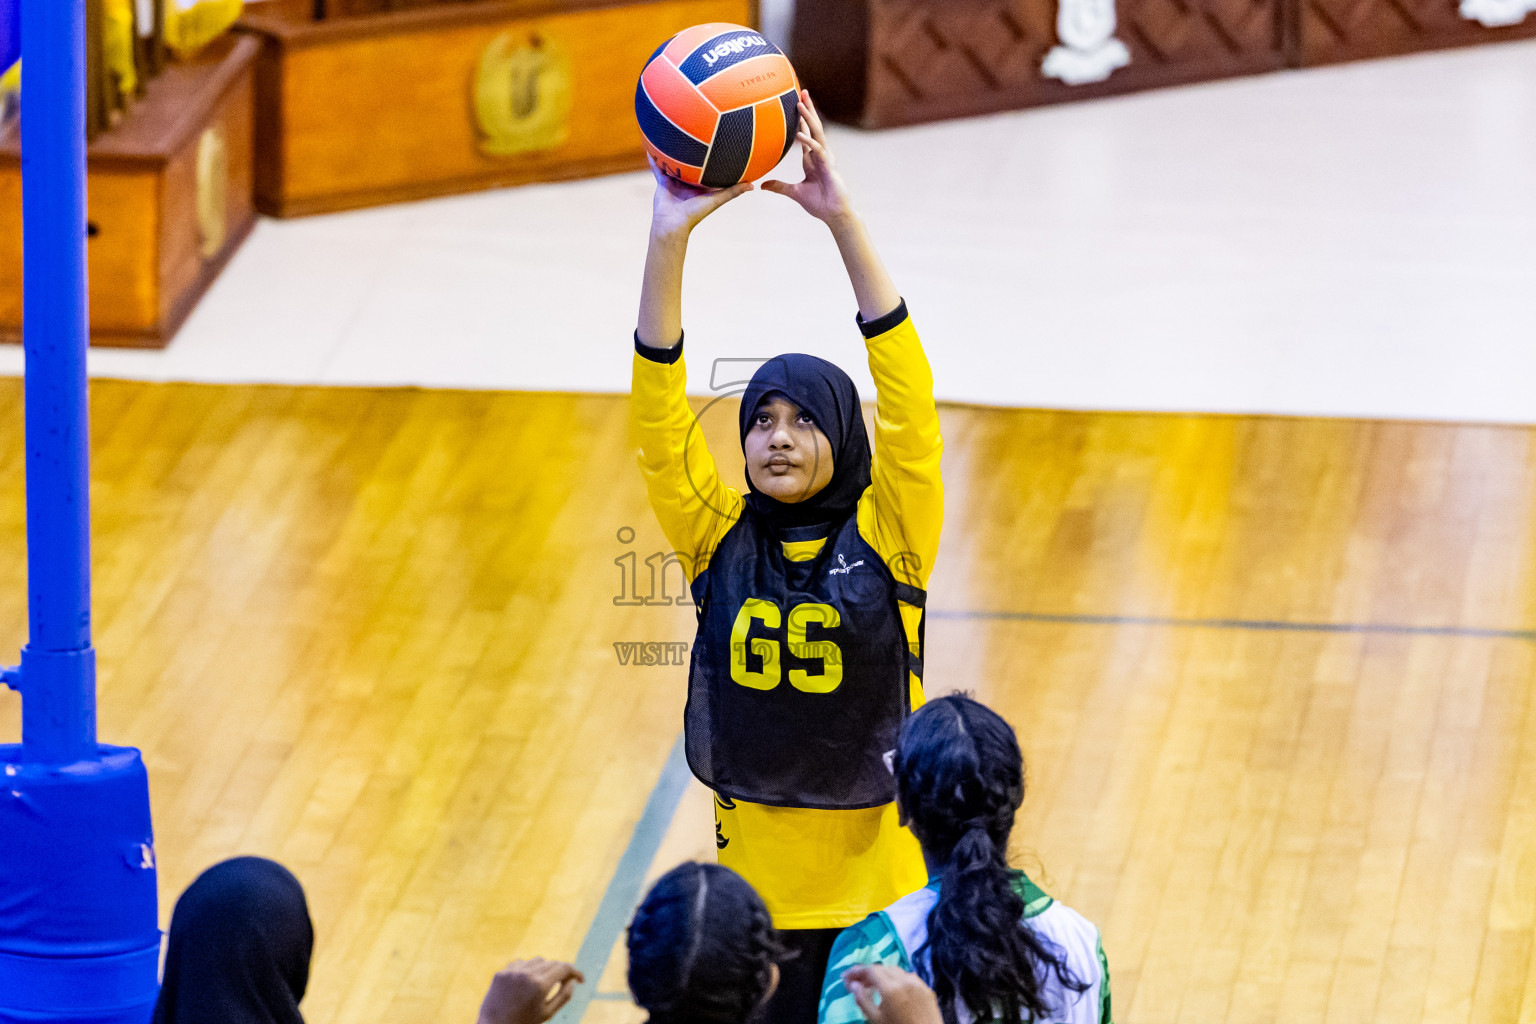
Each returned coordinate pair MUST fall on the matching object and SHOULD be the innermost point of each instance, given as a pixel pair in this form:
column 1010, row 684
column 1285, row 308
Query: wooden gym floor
column 1272, row 677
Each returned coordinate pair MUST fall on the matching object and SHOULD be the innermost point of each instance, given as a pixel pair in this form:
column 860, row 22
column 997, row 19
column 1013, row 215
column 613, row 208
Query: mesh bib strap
column 918, row 598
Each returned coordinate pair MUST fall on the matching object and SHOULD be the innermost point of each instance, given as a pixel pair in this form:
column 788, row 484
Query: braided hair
column 960, row 778
column 702, row 948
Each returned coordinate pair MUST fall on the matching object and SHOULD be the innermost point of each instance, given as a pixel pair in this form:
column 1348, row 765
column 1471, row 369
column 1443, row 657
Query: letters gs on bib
column 755, row 660
column 810, row 633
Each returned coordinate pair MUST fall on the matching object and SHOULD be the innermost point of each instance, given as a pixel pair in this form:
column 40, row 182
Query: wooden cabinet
column 1329, row 31
column 887, row 62
column 878, row 63
column 168, row 201
column 376, row 108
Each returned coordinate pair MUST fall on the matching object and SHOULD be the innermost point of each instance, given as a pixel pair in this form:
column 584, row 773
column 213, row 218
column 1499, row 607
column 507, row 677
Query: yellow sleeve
column 902, row 513
column 692, row 504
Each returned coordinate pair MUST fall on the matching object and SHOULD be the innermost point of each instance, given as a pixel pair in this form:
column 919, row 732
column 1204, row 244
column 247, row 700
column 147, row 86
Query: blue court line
column 1262, row 625
column 623, row 892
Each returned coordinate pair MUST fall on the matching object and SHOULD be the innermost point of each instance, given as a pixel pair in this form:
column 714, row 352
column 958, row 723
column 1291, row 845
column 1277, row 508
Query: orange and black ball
column 718, row 104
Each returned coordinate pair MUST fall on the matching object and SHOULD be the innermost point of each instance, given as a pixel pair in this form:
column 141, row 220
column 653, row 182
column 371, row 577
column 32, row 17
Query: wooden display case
column 168, row 200
column 1330, row 31
column 878, row 63
column 367, row 109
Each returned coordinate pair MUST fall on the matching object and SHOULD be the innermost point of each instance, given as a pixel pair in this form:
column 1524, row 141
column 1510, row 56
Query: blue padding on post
column 77, row 902
column 78, row 851
column 138, row 1013
column 52, row 984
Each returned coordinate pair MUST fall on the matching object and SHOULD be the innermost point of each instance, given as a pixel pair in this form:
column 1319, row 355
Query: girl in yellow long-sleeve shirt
column 810, row 588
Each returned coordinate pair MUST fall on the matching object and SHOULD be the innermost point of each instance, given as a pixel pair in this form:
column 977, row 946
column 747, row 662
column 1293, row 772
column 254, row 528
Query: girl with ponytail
column 702, row 949
column 990, row 942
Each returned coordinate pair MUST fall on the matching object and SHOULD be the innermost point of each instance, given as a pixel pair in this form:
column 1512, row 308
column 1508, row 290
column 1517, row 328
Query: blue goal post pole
column 58, row 711
column 79, row 923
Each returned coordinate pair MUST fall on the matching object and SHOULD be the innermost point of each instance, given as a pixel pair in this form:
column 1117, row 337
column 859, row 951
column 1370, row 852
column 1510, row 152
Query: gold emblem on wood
column 522, row 94
column 212, row 192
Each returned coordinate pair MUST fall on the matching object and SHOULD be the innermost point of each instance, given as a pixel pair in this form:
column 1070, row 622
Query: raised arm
column 691, row 503
column 824, row 196
column 676, row 210
column 907, row 511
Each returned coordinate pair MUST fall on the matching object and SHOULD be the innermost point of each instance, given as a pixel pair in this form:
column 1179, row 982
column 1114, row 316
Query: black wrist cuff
column 880, row 324
column 659, row 355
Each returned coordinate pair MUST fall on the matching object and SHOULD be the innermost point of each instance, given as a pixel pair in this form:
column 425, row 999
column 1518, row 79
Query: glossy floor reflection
column 1273, row 679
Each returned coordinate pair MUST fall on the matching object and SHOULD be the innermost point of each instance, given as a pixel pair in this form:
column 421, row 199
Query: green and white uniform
column 891, row 936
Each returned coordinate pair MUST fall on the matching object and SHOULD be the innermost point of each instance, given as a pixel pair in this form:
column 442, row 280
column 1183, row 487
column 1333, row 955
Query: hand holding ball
column 718, row 105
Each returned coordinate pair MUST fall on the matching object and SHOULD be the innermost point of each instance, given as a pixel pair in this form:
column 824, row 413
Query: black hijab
column 239, row 950
column 827, row 393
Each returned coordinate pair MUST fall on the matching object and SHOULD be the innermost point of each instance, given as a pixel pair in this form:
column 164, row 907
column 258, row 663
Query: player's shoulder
column 873, row 940
column 890, row 542
column 1064, row 927
column 1060, row 919
column 727, row 506
column 1036, row 900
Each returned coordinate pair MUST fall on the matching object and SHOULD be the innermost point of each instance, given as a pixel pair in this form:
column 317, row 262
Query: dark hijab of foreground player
column 827, row 393
column 239, row 950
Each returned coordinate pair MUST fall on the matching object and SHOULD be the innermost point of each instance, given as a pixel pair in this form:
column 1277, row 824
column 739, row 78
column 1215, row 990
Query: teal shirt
column 884, row 938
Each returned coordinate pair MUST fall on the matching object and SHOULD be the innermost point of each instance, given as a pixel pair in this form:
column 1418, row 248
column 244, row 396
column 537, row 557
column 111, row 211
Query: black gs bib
column 799, row 676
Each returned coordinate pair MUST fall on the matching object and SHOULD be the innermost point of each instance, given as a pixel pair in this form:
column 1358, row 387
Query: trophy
column 127, row 43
